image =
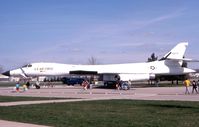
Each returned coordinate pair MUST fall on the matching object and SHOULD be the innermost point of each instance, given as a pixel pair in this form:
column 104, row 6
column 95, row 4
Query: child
column 17, row 86
column 24, row 87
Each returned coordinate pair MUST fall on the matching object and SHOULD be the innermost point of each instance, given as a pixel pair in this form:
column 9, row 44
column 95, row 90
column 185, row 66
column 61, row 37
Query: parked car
column 72, row 81
column 124, row 86
column 110, row 84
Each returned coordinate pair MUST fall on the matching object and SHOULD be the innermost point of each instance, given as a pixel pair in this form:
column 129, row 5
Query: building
column 4, row 78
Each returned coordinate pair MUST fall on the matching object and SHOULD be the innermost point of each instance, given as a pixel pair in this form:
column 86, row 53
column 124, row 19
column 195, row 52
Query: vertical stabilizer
column 177, row 53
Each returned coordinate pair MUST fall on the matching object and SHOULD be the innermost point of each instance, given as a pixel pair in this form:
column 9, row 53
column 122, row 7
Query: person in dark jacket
column 198, row 85
column 28, row 85
column 194, row 87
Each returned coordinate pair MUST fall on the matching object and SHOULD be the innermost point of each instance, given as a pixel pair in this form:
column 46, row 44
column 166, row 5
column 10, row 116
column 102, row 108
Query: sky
column 111, row 31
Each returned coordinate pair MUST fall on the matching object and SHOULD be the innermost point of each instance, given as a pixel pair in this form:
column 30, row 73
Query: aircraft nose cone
column 7, row 73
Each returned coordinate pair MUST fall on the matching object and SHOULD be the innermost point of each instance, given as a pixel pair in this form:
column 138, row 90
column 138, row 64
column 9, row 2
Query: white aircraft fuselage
column 171, row 64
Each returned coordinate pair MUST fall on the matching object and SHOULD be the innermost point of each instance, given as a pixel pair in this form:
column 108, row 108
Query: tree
column 92, row 60
column 152, row 58
column 1, row 69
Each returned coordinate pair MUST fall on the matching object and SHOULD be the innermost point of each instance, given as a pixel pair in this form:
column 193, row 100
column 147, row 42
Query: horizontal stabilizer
column 185, row 60
column 190, row 60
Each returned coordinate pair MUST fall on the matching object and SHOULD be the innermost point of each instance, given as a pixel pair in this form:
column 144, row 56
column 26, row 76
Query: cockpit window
column 25, row 66
column 28, row 65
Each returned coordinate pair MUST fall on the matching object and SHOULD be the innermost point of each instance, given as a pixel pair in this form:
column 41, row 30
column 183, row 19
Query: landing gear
column 37, row 85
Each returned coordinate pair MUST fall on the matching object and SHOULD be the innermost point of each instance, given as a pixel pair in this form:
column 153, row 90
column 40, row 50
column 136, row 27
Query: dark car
column 72, row 81
column 110, row 84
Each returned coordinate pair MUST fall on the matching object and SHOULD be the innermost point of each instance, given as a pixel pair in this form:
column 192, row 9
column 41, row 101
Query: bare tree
column 1, row 69
column 150, row 59
column 92, row 60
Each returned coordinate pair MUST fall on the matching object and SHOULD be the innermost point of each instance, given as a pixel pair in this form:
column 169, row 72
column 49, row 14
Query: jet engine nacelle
column 136, row 77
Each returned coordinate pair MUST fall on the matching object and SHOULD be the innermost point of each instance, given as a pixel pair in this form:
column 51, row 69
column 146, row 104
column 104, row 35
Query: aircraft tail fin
column 177, row 53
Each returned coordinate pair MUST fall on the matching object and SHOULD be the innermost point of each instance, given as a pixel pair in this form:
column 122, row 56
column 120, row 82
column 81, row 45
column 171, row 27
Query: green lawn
column 108, row 113
column 7, row 84
column 12, row 84
column 17, row 98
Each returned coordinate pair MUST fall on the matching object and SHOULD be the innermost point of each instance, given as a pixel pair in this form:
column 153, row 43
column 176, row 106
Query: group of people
column 86, row 85
column 195, row 86
column 25, row 86
column 118, row 85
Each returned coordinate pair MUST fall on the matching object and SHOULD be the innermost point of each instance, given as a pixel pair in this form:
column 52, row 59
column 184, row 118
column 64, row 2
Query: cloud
column 124, row 40
column 166, row 17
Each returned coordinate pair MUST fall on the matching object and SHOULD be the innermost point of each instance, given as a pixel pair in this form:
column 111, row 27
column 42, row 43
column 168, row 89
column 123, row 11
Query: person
column 37, row 85
column 187, row 84
column 117, row 80
column 17, row 86
column 194, row 87
column 198, row 84
column 129, row 83
column 91, row 86
column 24, row 87
column 28, row 85
column 117, row 85
column 85, row 84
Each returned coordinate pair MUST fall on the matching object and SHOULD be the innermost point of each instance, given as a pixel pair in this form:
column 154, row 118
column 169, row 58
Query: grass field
column 7, row 84
column 12, row 84
column 14, row 98
column 109, row 113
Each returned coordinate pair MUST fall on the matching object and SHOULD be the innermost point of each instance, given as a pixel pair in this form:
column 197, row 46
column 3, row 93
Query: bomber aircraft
column 170, row 64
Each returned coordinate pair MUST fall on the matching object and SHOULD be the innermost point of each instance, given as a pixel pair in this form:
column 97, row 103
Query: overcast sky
column 112, row 31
